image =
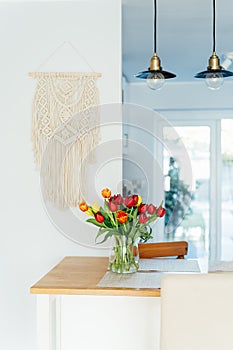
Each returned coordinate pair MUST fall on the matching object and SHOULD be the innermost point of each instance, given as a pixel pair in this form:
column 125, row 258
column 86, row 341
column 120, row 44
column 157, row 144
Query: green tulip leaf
column 94, row 222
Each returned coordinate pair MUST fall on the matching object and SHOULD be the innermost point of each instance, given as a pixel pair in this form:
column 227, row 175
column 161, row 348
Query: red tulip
column 99, row 217
column 130, row 202
column 112, row 206
column 135, row 198
column 121, row 216
column 160, row 212
column 151, row 209
column 118, row 199
column 143, row 218
column 142, row 208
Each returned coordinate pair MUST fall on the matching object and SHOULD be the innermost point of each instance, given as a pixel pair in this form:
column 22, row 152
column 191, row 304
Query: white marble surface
column 132, row 280
column 169, row 265
column 218, row 266
column 149, row 273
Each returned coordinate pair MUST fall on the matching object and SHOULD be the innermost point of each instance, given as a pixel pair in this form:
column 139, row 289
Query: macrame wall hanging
column 65, row 131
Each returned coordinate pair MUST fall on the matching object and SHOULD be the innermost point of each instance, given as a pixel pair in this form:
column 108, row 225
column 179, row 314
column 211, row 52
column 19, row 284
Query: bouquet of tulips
column 119, row 216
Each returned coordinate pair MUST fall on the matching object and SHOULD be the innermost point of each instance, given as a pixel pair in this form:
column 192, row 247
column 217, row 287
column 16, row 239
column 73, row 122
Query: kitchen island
column 75, row 312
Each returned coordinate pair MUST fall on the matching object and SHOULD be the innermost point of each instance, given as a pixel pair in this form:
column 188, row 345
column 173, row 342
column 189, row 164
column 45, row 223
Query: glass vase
column 124, row 257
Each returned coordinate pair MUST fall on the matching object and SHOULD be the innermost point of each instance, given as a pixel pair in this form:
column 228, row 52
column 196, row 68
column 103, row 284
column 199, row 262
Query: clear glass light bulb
column 155, row 81
column 214, row 80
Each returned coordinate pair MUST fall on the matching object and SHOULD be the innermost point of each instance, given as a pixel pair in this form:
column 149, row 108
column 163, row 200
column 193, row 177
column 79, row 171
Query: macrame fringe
column 63, row 171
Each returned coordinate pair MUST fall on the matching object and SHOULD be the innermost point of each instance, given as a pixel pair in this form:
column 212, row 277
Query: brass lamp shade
column 144, row 75
column 214, row 67
column 155, row 67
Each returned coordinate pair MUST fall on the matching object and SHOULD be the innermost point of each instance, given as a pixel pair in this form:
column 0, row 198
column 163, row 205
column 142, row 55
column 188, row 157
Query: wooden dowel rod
column 64, row 74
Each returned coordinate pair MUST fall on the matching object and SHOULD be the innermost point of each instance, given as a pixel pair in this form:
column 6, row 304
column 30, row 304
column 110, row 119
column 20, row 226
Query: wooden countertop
column 80, row 276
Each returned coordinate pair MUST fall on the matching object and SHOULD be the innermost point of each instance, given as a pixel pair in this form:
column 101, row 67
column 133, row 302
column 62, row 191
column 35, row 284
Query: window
column 208, row 222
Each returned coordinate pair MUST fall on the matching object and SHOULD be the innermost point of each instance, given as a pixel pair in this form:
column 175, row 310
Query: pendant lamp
column 215, row 73
column 155, row 76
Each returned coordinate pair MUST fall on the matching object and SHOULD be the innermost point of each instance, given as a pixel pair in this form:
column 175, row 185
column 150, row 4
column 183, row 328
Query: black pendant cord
column 155, row 24
column 214, row 25
column 155, row 61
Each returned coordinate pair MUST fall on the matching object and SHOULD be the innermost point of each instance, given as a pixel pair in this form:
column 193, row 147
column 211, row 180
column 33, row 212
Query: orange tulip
column 121, row 216
column 83, row 206
column 106, row 193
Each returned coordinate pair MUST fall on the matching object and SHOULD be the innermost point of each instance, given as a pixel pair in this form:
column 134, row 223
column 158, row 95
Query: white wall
column 30, row 244
column 180, row 95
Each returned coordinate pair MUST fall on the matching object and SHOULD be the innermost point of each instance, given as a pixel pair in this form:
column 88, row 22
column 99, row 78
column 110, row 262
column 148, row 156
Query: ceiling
column 184, row 35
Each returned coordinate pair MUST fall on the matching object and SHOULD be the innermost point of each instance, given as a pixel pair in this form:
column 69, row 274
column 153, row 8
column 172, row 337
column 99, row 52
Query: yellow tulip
column 95, row 207
column 139, row 201
column 89, row 212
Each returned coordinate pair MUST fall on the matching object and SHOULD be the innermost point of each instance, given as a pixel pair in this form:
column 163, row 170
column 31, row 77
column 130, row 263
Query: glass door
column 188, row 207
column 227, row 189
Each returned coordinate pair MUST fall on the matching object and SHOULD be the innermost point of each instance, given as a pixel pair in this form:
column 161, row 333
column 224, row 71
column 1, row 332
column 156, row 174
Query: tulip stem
column 112, row 219
column 125, row 256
